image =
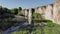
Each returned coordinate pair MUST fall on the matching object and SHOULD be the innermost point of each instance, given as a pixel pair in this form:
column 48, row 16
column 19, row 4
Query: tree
column 14, row 11
column 5, row 18
column 19, row 10
column 5, row 10
column 37, row 16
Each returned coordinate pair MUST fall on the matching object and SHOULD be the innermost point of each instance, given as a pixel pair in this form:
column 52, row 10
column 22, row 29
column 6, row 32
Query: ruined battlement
column 51, row 11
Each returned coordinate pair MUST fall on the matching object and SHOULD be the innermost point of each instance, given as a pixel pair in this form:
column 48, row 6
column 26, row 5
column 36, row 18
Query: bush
column 37, row 16
column 50, row 23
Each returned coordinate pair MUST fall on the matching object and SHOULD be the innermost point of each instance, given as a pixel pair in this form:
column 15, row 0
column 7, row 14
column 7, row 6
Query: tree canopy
column 6, row 15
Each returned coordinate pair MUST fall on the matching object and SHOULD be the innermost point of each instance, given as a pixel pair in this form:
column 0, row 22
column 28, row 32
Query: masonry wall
column 50, row 12
column 56, row 12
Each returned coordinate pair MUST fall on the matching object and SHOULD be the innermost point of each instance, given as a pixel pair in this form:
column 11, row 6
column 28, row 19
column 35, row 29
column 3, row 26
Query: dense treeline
column 6, row 15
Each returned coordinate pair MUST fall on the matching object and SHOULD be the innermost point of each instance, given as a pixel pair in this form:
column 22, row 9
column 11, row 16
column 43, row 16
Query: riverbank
column 50, row 28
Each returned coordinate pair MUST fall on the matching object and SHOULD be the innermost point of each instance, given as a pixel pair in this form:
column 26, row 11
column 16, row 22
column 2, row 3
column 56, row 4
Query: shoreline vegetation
column 49, row 28
column 38, row 26
column 6, row 15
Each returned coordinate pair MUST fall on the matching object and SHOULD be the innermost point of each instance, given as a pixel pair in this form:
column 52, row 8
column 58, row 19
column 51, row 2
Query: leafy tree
column 5, row 10
column 37, row 16
column 5, row 18
column 15, row 11
column 19, row 10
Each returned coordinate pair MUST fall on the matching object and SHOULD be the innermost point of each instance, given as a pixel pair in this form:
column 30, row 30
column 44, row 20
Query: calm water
column 14, row 28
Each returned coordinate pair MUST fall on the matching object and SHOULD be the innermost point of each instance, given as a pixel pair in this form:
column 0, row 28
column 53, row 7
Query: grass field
column 51, row 28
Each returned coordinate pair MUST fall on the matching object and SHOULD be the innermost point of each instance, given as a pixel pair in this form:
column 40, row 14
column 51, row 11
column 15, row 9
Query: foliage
column 37, row 16
column 50, row 23
column 5, row 24
column 51, row 28
column 19, row 10
column 14, row 11
column 6, row 15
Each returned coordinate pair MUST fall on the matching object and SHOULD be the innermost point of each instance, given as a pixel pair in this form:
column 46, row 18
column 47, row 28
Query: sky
column 24, row 3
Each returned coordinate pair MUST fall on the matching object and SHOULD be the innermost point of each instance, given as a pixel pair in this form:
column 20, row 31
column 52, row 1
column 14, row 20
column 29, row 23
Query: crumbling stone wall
column 51, row 11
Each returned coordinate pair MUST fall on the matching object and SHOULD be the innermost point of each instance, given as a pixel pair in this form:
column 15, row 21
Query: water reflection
column 14, row 28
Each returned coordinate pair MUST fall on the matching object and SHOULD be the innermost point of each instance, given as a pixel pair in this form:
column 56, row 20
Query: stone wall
column 50, row 12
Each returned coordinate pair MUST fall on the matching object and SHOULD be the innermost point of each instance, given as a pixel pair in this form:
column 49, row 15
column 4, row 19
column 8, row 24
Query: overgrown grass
column 51, row 28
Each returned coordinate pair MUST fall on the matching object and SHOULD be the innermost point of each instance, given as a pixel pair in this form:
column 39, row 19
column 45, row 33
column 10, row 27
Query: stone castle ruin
column 50, row 12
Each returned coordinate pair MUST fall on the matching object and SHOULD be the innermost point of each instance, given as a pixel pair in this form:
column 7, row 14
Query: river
column 14, row 28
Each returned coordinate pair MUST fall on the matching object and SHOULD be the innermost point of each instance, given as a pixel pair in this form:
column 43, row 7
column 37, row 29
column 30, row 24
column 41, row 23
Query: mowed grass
column 50, row 28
